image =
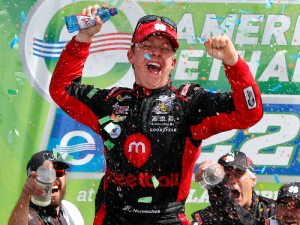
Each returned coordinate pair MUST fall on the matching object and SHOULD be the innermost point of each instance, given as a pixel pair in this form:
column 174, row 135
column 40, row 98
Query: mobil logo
column 137, row 148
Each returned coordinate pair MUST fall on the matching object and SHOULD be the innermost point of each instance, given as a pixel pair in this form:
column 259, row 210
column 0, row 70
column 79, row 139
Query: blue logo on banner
column 78, row 142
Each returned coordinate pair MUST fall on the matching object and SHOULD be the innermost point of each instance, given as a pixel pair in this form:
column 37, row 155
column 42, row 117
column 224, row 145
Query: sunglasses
column 60, row 173
column 150, row 18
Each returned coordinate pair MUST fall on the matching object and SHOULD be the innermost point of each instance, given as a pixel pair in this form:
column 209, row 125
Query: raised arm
column 68, row 72
column 20, row 213
column 247, row 103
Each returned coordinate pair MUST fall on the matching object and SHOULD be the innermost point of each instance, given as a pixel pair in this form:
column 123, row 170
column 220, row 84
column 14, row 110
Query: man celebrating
column 234, row 201
column 59, row 212
column 152, row 132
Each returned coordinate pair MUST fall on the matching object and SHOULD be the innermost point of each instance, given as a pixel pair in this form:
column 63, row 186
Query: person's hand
column 31, row 187
column 86, row 35
column 221, row 47
column 202, row 167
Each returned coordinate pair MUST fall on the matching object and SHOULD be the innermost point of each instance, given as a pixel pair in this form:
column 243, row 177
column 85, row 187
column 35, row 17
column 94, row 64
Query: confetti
column 147, row 56
column 145, row 199
column 92, row 93
column 109, row 127
column 23, row 17
column 276, row 179
column 263, row 170
column 17, row 132
column 55, row 153
column 3, row 12
column 261, row 17
column 295, row 56
column 268, row 4
column 275, row 88
column 217, row 18
column 228, row 22
column 237, row 21
column 244, row 11
column 201, row 40
column 68, row 158
column 14, row 42
column 213, row 90
column 283, row 7
column 12, row 92
column 104, row 120
column 282, row 52
column 194, row 40
column 109, row 145
column 155, row 182
column 185, row 56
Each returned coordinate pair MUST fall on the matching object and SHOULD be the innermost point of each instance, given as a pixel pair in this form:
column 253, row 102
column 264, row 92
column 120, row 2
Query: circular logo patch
column 137, row 149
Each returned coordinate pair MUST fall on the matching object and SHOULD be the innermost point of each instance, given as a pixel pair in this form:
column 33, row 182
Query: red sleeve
column 68, row 68
column 247, row 101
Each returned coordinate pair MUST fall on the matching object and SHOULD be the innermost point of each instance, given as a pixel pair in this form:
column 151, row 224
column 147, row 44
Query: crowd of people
column 153, row 146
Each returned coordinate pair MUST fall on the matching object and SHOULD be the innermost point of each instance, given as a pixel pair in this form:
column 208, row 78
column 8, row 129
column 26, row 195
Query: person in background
column 287, row 205
column 234, row 200
column 152, row 132
column 59, row 212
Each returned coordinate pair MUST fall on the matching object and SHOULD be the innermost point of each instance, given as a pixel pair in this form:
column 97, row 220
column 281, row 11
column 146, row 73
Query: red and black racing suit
column 151, row 138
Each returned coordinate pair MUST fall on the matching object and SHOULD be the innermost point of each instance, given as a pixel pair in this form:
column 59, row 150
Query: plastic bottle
column 78, row 22
column 46, row 176
column 212, row 176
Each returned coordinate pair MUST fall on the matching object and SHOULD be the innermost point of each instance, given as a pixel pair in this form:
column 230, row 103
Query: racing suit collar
column 141, row 91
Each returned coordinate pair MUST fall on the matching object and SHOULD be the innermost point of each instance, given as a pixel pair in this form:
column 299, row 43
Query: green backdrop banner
column 33, row 34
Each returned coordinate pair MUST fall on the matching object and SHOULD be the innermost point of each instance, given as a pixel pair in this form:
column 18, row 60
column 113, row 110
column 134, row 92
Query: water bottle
column 46, row 176
column 212, row 176
column 78, row 22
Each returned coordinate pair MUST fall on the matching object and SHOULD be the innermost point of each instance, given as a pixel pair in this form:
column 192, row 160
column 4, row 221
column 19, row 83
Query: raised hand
column 221, row 47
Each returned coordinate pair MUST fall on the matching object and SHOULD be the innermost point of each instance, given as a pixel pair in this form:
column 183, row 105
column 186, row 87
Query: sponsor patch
column 163, row 105
column 120, row 109
column 184, row 90
column 250, row 97
column 137, row 149
column 121, row 98
column 114, row 133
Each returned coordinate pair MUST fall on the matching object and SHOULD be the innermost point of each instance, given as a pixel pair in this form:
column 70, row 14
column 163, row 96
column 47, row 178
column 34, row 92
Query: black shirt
column 45, row 216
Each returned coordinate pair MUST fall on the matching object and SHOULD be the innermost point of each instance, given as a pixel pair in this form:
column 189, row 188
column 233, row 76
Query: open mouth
column 55, row 189
column 154, row 67
column 291, row 222
column 235, row 193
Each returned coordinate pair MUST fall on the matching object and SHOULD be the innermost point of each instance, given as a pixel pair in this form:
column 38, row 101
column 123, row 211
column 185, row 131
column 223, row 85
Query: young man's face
column 288, row 211
column 241, row 185
column 153, row 60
